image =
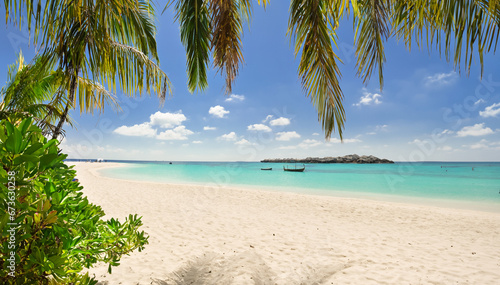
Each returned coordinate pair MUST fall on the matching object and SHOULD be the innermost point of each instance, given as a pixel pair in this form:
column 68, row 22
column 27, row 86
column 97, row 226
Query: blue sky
column 427, row 111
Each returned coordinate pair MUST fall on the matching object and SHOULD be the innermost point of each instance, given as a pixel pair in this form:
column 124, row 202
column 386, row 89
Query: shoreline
column 236, row 236
column 481, row 206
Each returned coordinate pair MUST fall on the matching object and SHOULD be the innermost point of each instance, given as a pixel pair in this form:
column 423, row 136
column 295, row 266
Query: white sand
column 241, row 236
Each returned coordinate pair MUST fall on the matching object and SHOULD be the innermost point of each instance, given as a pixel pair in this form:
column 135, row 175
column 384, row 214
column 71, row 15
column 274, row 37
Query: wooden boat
column 295, row 169
column 270, row 168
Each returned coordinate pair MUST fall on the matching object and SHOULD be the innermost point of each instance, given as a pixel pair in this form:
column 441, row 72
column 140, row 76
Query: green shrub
column 50, row 231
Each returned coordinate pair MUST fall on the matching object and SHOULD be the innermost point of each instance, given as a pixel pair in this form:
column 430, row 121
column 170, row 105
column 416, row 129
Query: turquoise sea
column 461, row 183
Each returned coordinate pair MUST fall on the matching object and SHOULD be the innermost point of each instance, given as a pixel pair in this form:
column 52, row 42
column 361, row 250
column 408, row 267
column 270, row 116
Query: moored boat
column 295, row 169
column 270, row 168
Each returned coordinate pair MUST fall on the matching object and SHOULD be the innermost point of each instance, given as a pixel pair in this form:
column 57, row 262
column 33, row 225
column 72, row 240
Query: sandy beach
column 202, row 235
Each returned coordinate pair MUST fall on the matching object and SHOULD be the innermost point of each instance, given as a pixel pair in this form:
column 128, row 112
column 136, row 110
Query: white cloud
column 269, row 117
column 415, row 141
column 160, row 120
column 234, row 98
column 445, row 148
column 208, row 128
column 447, row 132
column 228, row 137
column 315, row 134
column 142, row 130
column 218, row 111
column 476, row 130
column 336, row 140
column 482, row 144
column 369, row 99
column 491, row 111
column 478, row 145
column 441, row 78
column 197, row 142
column 281, row 121
column 378, row 129
column 167, row 120
column 243, row 142
column 175, row 134
column 286, row 136
column 259, row 127
column 479, row 102
column 287, row 147
column 309, row 143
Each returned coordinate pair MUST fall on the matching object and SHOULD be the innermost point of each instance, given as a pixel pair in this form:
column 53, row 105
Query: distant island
column 351, row 158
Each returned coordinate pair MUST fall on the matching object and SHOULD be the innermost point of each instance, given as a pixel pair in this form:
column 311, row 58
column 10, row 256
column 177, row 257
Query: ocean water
column 467, row 182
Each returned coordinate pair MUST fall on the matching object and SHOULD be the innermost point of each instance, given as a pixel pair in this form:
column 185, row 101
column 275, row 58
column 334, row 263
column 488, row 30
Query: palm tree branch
column 226, row 38
column 456, row 25
column 308, row 27
column 133, row 69
column 194, row 20
column 92, row 95
column 371, row 22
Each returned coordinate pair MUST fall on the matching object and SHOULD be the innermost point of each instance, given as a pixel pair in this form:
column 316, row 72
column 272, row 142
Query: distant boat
column 295, row 169
column 270, row 168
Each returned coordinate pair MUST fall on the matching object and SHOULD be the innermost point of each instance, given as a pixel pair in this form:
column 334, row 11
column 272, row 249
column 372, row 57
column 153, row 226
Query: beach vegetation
column 103, row 43
column 35, row 89
column 50, row 230
column 30, row 91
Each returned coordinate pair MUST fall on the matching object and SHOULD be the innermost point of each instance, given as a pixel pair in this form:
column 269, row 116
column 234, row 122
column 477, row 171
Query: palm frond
column 454, row 25
column 129, row 22
column 93, row 96
column 227, row 29
column 135, row 71
column 194, row 21
column 308, row 27
column 29, row 83
column 245, row 8
column 371, row 22
column 263, row 2
column 31, row 91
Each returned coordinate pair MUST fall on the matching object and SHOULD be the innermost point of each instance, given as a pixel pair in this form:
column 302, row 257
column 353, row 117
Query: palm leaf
column 93, row 96
column 454, row 25
column 308, row 27
column 227, row 31
column 371, row 22
column 194, row 21
column 135, row 71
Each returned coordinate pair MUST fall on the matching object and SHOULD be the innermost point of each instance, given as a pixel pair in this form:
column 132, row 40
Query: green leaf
column 48, row 160
column 46, row 205
column 24, row 125
column 37, row 218
column 51, row 218
column 3, row 135
column 34, row 147
column 14, row 141
column 10, row 128
column 49, row 144
column 26, row 158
